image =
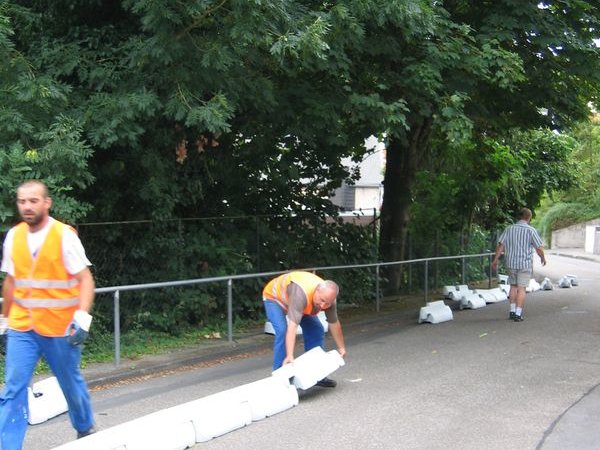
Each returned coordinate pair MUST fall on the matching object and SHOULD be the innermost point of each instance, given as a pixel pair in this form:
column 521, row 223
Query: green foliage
column 486, row 184
column 483, row 70
column 134, row 253
column 581, row 201
column 562, row 215
column 40, row 136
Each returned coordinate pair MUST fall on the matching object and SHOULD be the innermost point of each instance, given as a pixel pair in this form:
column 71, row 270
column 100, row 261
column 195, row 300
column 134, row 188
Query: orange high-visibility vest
column 276, row 289
column 46, row 296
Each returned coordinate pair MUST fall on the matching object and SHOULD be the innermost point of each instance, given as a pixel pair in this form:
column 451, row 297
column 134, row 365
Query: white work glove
column 3, row 324
column 78, row 330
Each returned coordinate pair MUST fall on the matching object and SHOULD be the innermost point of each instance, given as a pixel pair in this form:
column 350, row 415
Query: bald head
column 326, row 294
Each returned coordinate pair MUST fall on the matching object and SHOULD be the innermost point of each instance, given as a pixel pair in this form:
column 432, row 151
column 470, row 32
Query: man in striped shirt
column 518, row 242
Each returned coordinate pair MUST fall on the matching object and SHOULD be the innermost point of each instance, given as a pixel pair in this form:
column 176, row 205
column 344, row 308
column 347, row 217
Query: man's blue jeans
column 313, row 332
column 23, row 350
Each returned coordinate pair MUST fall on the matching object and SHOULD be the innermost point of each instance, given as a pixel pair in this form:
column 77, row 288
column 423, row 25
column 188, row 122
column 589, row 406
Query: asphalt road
column 479, row 381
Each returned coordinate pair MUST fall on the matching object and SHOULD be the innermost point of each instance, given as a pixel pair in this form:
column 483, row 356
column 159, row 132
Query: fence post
column 257, row 229
column 377, row 288
column 490, row 266
column 230, row 310
column 426, row 281
column 117, row 328
column 463, row 259
column 410, row 266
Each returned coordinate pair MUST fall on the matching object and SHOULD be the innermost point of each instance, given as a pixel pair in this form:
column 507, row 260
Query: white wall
column 573, row 236
column 367, row 192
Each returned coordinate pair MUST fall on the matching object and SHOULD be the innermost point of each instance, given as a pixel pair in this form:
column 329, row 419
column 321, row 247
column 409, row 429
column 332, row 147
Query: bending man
column 301, row 296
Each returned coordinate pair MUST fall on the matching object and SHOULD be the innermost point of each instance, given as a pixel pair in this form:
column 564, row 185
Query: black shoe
column 518, row 318
column 327, row 382
column 82, row 434
column 512, row 315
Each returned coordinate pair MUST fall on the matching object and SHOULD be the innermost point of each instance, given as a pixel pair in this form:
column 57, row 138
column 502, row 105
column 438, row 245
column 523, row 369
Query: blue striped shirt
column 519, row 241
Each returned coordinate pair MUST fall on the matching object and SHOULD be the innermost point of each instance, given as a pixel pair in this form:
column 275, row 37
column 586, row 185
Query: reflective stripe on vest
column 47, row 302
column 46, row 284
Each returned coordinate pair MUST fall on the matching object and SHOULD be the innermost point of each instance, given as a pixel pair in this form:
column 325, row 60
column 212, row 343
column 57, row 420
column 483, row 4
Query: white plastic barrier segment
column 219, row 414
column 169, row 429
column 532, row 286
column 268, row 396
column 502, row 279
column 573, row 278
column 459, row 291
column 269, row 327
column 487, row 295
column 161, row 434
column 310, row 367
column 546, row 284
column 435, row 312
column 505, row 288
column 175, row 428
column 448, row 290
column 471, row 301
column 455, row 295
column 564, row 282
column 46, row 400
column 499, row 293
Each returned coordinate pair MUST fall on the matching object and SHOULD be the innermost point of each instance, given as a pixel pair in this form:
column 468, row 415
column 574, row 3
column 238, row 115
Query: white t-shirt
column 73, row 252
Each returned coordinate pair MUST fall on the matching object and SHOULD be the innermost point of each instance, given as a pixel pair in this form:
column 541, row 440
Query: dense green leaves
column 40, row 136
column 156, row 110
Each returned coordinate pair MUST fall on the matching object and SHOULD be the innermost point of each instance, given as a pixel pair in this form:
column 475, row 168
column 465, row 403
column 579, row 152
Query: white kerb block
column 564, row 282
column 268, row 396
column 168, row 429
column 499, row 293
column 532, row 286
column 471, row 301
column 573, row 278
column 487, row 295
column 448, row 290
column 435, row 312
column 46, row 400
column 310, row 367
column 546, row 284
column 459, row 292
column 162, row 435
column 219, row 414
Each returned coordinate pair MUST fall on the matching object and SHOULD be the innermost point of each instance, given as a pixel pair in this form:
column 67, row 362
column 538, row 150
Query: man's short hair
column 30, row 183
column 525, row 214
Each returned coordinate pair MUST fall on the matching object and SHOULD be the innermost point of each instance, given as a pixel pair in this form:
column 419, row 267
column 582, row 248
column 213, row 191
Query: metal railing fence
column 229, row 279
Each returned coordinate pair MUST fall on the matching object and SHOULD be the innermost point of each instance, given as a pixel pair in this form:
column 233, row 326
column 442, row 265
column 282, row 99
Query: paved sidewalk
column 578, row 253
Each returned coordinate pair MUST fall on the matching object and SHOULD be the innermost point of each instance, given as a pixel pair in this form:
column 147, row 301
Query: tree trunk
column 403, row 157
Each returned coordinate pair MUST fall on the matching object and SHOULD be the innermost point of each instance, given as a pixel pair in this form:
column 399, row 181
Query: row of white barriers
column 201, row 420
column 438, row 311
